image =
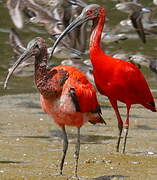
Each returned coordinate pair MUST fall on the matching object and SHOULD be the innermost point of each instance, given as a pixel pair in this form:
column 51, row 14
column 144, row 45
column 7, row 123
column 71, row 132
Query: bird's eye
column 89, row 12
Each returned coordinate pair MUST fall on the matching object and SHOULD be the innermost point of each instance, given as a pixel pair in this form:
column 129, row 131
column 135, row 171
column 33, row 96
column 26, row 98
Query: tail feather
column 151, row 106
column 97, row 119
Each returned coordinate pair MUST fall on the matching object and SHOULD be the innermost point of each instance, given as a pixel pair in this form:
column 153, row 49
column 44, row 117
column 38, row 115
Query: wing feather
column 82, row 93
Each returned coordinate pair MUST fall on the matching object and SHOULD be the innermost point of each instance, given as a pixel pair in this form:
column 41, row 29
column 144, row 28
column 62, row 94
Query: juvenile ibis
column 65, row 94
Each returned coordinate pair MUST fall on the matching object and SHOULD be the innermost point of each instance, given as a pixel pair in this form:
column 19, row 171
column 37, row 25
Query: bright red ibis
column 117, row 79
column 65, row 94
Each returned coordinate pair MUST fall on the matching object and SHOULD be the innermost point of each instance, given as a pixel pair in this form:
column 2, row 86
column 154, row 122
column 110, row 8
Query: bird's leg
column 65, row 147
column 125, row 138
column 120, row 122
column 126, row 127
column 119, row 137
column 77, row 151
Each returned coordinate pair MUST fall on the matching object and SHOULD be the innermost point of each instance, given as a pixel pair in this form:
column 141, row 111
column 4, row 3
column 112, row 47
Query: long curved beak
column 78, row 21
column 23, row 57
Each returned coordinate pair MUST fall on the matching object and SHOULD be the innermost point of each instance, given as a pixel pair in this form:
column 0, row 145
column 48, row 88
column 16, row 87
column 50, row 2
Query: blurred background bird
column 54, row 16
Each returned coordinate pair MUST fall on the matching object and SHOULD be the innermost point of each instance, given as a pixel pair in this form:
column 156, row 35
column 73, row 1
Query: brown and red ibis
column 65, row 94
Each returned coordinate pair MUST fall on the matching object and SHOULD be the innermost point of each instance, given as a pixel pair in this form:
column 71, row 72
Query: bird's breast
column 62, row 111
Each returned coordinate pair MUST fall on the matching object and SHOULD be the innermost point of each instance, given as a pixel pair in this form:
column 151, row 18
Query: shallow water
column 31, row 143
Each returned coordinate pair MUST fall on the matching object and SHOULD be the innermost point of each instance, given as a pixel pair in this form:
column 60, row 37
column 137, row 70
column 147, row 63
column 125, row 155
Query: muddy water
column 30, row 143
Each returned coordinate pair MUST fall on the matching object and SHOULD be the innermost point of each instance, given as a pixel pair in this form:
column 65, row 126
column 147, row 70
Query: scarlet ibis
column 117, row 79
column 65, row 94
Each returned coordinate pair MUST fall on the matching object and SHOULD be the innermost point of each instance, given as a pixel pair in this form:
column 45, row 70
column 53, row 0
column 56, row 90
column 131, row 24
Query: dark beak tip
column 5, row 86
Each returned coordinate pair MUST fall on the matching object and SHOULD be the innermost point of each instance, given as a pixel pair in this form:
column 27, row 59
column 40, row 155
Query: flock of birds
column 71, row 51
column 66, row 94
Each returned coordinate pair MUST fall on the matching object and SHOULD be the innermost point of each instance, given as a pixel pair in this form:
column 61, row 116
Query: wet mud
column 31, row 144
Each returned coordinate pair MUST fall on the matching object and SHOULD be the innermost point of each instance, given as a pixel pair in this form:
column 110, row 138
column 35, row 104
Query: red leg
column 120, row 122
column 126, row 127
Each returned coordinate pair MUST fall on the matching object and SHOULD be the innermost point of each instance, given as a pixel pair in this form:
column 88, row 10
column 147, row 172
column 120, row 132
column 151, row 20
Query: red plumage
column 118, row 79
column 62, row 108
column 115, row 78
column 122, row 81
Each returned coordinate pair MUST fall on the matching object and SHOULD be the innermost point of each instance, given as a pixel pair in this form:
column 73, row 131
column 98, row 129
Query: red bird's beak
column 23, row 57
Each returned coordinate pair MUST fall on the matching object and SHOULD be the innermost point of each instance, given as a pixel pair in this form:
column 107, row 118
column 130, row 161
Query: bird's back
column 123, row 81
column 77, row 102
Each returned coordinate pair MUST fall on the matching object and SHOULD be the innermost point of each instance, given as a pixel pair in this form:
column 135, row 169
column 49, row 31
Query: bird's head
column 35, row 47
column 90, row 12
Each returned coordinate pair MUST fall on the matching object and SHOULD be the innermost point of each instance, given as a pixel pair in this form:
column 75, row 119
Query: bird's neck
column 41, row 72
column 96, row 33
